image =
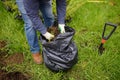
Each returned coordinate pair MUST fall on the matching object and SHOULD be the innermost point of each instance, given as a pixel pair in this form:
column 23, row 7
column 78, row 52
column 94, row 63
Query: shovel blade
column 101, row 49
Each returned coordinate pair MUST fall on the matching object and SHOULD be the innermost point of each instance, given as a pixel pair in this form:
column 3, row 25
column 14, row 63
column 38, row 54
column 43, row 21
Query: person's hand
column 62, row 28
column 48, row 36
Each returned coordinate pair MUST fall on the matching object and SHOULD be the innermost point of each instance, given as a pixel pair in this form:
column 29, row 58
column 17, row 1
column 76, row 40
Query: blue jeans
column 46, row 10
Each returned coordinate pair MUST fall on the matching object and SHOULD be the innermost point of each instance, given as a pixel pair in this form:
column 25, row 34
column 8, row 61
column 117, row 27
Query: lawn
column 88, row 19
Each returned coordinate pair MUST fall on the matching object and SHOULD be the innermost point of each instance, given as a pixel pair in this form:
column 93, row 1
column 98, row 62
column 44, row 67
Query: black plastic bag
column 61, row 53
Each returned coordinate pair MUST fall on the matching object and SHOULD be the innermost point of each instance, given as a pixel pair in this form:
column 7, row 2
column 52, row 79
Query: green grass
column 88, row 21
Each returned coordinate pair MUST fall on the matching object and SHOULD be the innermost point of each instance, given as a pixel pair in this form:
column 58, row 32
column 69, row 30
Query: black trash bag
column 61, row 53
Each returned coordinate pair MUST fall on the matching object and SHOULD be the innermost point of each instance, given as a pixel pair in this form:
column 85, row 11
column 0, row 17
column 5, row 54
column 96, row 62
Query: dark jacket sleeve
column 61, row 11
column 32, row 10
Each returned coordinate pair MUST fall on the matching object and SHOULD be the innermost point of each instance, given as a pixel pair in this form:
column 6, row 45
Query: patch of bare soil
column 3, row 53
column 5, row 59
column 16, row 58
column 2, row 44
column 4, row 75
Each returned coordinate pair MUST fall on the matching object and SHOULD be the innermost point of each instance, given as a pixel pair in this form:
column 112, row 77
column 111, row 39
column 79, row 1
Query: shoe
column 37, row 57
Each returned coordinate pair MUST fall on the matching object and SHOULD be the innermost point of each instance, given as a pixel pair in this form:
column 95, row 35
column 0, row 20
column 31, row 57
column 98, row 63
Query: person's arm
column 32, row 10
column 61, row 11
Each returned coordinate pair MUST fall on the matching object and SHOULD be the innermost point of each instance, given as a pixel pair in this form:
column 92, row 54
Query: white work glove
column 62, row 28
column 48, row 36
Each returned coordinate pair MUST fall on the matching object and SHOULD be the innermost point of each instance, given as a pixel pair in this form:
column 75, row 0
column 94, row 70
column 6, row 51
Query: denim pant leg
column 29, row 30
column 46, row 10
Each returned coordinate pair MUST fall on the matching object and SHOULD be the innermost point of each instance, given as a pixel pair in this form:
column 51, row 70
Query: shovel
column 105, row 38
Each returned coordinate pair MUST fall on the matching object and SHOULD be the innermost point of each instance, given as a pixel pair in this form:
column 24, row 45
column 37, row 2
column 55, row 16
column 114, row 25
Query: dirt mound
column 13, row 76
column 5, row 59
column 3, row 53
column 2, row 43
column 16, row 58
